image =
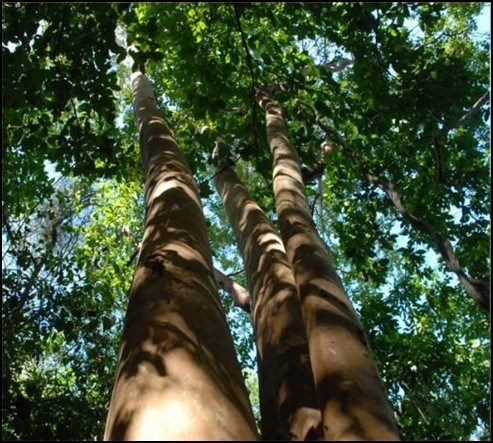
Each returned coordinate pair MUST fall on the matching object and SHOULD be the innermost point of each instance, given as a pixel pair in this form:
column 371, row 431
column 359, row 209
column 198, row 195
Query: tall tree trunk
column 177, row 376
column 353, row 400
column 288, row 401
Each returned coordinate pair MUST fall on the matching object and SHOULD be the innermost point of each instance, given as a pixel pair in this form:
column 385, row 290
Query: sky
column 484, row 20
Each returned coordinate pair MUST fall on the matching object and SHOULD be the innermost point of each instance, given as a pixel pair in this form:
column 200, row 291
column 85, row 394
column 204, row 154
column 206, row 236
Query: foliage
column 64, row 293
column 392, row 82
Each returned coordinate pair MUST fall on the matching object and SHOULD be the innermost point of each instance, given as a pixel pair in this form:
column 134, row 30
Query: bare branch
column 238, row 293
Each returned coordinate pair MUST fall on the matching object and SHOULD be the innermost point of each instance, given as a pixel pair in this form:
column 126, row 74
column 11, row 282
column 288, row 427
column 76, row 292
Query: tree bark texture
column 288, row 402
column 237, row 293
column 177, row 377
column 353, row 400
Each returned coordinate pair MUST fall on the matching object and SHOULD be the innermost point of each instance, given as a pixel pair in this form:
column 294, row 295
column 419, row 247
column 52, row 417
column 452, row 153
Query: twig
column 232, row 274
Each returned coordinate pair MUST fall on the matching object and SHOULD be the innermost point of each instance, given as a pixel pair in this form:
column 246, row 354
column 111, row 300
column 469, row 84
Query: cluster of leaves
column 59, row 57
column 65, row 281
column 389, row 81
column 61, row 315
column 432, row 353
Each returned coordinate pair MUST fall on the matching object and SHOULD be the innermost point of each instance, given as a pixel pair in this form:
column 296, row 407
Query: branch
column 252, row 76
column 238, row 293
column 438, row 158
column 6, row 223
column 63, row 25
column 478, row 290
column 466, row 117
column 232, row 274
column 137, row 249
column 377, row 52
column 312, row 208
column 447, row 128
column 310, row 174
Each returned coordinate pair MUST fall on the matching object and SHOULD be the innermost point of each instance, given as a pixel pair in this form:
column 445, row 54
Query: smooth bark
column 177, row 376
column 238, row 293
column 353, row 400
column 288, row 402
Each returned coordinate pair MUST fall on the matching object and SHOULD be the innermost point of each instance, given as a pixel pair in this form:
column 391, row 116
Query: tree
column 351, row 395
column 177, row 376
column 288, row 403
column 59, row 318
column 393, row 92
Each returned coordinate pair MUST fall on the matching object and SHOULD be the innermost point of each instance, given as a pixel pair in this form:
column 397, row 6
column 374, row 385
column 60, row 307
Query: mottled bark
column 288, row 402
column 177, row 376
column 353, row 401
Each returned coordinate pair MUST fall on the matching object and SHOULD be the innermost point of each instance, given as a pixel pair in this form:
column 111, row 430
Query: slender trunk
column 352, row 397
column 177, row 376
column 288, row 401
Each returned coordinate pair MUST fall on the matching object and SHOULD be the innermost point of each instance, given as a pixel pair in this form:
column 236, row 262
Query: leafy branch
column 443, row 132
column 478, row 290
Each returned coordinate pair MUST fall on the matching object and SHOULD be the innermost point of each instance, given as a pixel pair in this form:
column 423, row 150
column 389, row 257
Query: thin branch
column 221, row 169
column 63, row 25
column 377, row 52
column 312, row 209
column 466, row 117
column 446, row 129
column 432, row 41
column 27, row 310
column 232, row 274
column 238, row 293
column 136, row 251
column 10, row 235
column 439, row 161
column 252, row 76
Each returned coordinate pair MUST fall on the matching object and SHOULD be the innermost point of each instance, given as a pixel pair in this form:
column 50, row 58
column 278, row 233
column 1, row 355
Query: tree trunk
column 352, row 397
column 288, row 402
column 177, row 376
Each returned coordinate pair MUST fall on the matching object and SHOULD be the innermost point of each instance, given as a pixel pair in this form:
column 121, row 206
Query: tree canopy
column 388, row 106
